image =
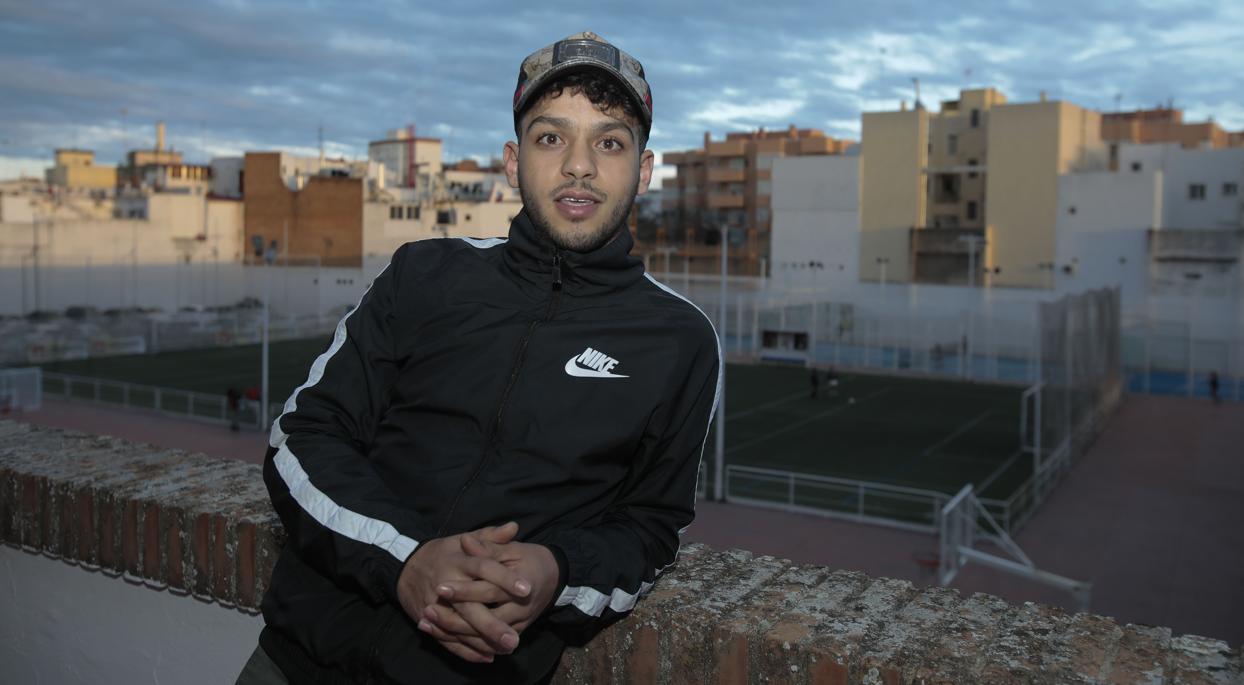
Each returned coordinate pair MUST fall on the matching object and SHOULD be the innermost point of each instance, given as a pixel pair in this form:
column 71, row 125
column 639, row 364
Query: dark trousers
column 260, row 670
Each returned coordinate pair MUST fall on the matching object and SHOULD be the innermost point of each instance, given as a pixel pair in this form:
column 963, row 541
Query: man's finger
column 466, row 653
column 480, row 591
column 448, row 620
column 498, row 574
column 474, row 643
column 476, row 546
column 496, row 632
column 499, row 534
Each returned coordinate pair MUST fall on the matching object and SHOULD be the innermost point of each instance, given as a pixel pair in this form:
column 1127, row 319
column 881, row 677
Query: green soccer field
column 926, row 434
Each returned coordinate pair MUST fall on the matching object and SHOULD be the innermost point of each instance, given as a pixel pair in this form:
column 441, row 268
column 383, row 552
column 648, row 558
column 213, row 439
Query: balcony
column 726, row 201
column 727, row 148
column 1193, row 245
column 726, row 175
column 947, row 256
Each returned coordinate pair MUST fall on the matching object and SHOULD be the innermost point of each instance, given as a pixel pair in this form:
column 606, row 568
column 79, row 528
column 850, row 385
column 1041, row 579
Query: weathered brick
column 697, row 652
column 1141, row 657
column 172, row 561
column 206, row 526
column 109, row 540
column 87, row 527
column 66, row 530
column 269, row 540
column 200, row 551
column 131, row 557
column 9, row 505
column 151, row 541
column 223, row 571
column 29, row 520
column 1196, row 660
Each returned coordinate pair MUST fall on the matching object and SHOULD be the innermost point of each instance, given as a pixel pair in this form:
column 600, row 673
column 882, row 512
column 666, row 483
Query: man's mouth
column 577, row 199
column 577, row 205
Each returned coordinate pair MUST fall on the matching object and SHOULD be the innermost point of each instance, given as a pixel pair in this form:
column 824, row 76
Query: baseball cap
column 584, row 50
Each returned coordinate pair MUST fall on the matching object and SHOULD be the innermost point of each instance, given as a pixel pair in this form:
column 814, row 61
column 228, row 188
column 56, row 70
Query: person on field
column 499, row 449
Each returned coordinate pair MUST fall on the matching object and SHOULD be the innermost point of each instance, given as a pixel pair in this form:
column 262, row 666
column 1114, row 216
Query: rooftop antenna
column 1118, row 102
column 320, row 135
column 918, row 103
column 967, row 78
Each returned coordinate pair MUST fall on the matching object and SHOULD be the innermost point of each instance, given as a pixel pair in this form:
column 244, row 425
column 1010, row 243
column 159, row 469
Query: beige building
column 1163, row 125
column 970, row 192
column 728, row 184
column 76, row 169
column 406, row 157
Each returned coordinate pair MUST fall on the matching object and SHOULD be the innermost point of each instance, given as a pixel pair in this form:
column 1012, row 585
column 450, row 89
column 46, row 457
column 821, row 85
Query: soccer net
column 1080, row 375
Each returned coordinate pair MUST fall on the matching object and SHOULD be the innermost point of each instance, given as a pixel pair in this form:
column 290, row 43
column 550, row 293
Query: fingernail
column 509, row 640
column 523, row 586
column 425, row 626
column 444, row 590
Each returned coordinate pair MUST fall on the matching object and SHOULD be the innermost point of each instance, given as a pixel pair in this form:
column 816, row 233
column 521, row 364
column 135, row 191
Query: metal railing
column 20, row 389
column 861, row 501
column 174, row 402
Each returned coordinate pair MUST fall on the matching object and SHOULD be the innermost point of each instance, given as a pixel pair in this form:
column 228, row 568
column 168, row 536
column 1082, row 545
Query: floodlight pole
column 719, row 472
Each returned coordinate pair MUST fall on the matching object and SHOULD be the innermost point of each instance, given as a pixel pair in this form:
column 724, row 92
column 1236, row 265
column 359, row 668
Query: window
column 971, row 211
column 1196, row 191
column 952, row 144
column 1230, row 189
column 412, row 212
column 1135, row 166
column 972, row 162
column 395, row 212
column 946, row 188
column 976, row 118
column 447, row 216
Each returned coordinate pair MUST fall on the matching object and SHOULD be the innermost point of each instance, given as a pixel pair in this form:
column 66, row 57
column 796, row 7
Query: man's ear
column 510, row 154
column 646, row 160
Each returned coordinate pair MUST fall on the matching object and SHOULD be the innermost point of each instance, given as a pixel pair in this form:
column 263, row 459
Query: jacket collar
column 530, row 255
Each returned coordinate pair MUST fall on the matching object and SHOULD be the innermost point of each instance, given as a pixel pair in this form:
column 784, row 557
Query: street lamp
column 269, row 256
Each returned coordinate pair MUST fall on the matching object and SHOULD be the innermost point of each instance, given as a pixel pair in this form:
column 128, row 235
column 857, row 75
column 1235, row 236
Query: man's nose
column 579, row 161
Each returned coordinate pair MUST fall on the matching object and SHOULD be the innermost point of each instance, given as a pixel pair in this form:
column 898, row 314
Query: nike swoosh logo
column 573, row 369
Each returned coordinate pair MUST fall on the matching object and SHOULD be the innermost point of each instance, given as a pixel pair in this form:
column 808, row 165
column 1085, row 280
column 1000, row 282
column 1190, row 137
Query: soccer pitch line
column 958, row 431
column 767, row 405
column 998, row 471
column 803, row 422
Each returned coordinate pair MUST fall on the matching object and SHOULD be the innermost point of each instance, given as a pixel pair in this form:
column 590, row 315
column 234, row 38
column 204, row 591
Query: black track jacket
column 481, row 381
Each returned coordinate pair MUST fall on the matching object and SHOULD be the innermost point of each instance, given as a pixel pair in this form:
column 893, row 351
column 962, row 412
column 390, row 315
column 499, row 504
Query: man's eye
column 611, row 144
column 548, row 138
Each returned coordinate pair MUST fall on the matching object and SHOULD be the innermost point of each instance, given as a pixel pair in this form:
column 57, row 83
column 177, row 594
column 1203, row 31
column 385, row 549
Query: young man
column 498, row 451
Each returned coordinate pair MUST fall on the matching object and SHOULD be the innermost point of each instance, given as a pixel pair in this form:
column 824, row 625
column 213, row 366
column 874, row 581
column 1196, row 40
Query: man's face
column 578, row 170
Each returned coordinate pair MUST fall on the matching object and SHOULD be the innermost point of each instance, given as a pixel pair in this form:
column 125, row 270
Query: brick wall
column 325, row 218
column 202, row 526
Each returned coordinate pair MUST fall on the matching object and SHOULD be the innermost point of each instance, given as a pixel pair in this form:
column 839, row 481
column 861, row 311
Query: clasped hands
column 475, row 592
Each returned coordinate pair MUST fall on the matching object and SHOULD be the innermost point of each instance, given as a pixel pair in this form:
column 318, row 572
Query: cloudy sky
column 235, row 75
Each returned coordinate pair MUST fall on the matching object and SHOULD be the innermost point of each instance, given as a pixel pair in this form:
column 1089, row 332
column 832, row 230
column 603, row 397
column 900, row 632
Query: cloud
column 222, row 77
column 732, row 114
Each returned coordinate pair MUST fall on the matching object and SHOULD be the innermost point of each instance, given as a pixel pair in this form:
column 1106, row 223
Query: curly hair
column 603, row 92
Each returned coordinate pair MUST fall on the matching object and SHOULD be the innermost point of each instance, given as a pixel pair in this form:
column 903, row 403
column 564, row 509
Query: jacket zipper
column 505, row 395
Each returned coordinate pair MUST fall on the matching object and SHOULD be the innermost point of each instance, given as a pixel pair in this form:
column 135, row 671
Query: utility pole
column 719, row 475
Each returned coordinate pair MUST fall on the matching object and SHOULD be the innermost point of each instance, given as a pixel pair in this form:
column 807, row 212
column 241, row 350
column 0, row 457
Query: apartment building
column 77, row 169
column 726, row 186
column 1163, row 125
column 970, row 192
